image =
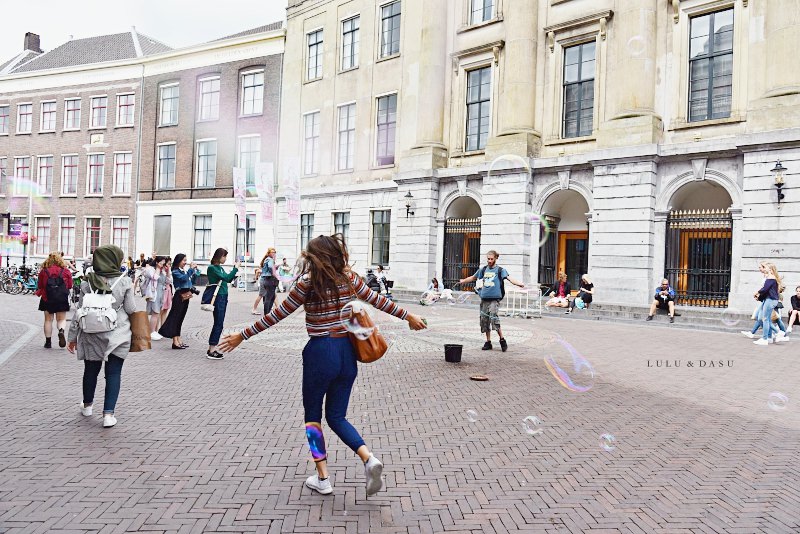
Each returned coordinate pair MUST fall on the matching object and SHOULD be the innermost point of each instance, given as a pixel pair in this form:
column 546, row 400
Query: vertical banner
column 240, row 194
column 291, row 185
column 265, row 187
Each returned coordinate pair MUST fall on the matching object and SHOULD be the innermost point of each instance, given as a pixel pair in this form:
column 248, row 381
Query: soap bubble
column 608, row 442
column 730, row 317
column 636, row 45
column 529, row 228
column 508, row 174
column 353, row 317
column 472, row 416
column 532, row 425
column 571, row 369
column 777, row 401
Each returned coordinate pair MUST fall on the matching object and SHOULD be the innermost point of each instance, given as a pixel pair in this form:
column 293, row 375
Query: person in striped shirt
column 329, row 361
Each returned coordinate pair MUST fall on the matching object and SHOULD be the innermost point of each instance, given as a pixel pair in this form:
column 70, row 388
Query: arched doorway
column 565, row 248
column 462, row 241
column 699, row 245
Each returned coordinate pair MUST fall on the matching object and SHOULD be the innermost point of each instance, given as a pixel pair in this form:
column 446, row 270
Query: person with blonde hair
column 768, row 295
column 559, row 297
column 585, row 294
column 55, row 284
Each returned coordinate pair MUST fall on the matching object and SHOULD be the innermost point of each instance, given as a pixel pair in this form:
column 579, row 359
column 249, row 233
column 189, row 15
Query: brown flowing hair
column 54, row 258
column 326, row 263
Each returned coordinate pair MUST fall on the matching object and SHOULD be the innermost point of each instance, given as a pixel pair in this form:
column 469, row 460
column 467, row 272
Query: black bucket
column 452, row 353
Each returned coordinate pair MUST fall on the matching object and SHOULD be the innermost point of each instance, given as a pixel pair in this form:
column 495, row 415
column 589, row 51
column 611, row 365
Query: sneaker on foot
column 672, row 319
column 649, row 318
column 255, row 312
column 373, row 471
column 215, row 355
column 747, row 333
column 86, row 411
column 109, row 420
column 487, row 346
column 47, row 343
column 62, row 340
column 761, row 341
column 155, row 336
column 503, row 344
column 320, row 486
column 567, row 312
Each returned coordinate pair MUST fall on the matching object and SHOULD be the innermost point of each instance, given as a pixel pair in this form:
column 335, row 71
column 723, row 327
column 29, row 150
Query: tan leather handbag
column 374, row 347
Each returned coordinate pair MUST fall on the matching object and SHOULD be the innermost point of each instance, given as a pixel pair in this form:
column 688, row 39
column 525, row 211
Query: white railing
column 524, row 304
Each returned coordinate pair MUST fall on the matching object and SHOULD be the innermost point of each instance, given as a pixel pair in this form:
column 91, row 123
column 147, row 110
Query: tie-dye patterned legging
column 329, row 370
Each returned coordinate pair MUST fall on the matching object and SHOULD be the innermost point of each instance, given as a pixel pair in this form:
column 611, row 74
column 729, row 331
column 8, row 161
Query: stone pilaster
column 414, row 254
column 622, row 231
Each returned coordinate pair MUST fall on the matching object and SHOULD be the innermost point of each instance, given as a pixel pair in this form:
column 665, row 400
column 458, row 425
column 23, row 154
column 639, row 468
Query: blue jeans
column 766, row 317
column 757, row 325
column 113, row 381
column 329, row 370
column 220, row 307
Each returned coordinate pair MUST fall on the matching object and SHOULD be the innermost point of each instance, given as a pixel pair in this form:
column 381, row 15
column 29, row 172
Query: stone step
column 712, row 319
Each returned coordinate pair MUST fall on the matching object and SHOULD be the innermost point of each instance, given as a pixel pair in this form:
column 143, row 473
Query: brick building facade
column 209, row 109
column 69, row 143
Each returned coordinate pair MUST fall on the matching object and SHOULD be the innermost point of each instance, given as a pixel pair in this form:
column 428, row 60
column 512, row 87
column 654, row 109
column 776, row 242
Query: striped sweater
column 322, row 318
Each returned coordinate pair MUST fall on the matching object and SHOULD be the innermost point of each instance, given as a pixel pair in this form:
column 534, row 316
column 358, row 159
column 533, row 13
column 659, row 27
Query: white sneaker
column 86, row 411
column 109, row 420
column 320, row 486
column 761, row 341
column 373, row 471
column 780, row 334
column 789, row 330
column 747, row 333
column 155, row 336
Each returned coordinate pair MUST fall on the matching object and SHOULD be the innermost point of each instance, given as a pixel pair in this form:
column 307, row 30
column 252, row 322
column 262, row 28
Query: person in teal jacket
column 218, row 276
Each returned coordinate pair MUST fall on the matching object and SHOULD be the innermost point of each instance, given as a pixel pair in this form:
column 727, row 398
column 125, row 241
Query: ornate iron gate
column 698, row 256
column 462, row 250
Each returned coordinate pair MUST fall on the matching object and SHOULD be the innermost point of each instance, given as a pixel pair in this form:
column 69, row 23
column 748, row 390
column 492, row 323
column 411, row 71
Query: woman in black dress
column 183, row 282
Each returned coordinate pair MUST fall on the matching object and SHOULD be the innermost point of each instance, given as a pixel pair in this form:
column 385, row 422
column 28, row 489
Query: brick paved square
column 218, row 446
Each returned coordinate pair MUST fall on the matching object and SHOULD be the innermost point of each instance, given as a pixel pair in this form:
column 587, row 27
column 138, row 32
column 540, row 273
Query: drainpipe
column 138, row 159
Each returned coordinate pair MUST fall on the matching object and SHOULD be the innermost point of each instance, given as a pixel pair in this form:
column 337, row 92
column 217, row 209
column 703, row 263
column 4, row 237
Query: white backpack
column 97, row 314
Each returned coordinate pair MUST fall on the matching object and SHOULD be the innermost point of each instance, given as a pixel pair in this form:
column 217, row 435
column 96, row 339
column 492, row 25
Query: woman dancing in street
column 329, row 360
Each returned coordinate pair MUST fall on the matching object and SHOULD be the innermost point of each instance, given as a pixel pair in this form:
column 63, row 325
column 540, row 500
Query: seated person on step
column 663, row 299
column 584, row 296
column 559, row 292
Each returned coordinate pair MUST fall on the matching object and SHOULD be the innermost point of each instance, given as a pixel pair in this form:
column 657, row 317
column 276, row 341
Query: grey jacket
column 97, row 347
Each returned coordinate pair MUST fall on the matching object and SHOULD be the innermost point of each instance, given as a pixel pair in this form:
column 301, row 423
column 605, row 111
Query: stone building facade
column 627, row 139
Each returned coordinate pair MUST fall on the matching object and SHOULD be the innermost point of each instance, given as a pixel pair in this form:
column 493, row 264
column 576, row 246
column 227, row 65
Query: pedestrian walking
column 768, row 296
column 155, row 283
column 284, row 273
column 109, row 347
column 218, row 276
column 53, row 289
column 184, row 291
column 329, row 359
column 490, row 284
column 267, row 283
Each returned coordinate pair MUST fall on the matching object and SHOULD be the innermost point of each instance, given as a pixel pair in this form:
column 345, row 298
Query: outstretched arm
column 295, row 299
column 518, row 284
column 468, row 279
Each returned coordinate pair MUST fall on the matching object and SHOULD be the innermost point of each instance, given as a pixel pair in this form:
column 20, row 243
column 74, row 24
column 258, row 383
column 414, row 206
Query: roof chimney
column 32, row 42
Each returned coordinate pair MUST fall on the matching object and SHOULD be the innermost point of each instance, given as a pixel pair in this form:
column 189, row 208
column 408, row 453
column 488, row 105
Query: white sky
column 177, row 23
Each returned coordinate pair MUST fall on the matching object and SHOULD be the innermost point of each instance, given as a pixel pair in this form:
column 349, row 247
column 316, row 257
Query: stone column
column 631, row 56
column 622, row 232
column 781, row 31
column 426, row 72
column 505, row 225
column 517, row 79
